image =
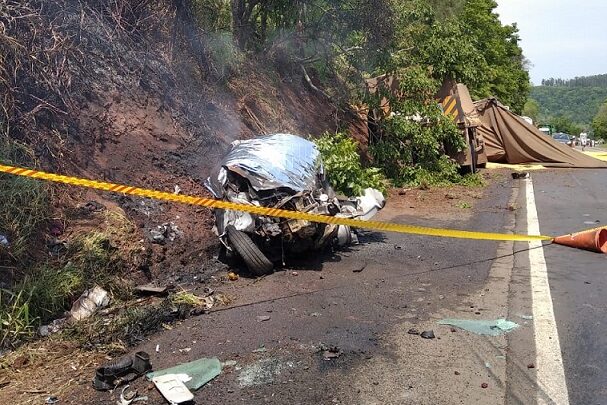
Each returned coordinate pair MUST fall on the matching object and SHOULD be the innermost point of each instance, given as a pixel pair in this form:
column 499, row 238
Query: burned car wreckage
column 281, row 171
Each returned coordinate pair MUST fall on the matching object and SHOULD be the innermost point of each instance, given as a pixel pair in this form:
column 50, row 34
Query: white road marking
column 549, row 361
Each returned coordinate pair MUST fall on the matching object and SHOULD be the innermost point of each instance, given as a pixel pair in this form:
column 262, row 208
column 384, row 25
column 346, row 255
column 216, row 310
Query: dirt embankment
column 138, row 96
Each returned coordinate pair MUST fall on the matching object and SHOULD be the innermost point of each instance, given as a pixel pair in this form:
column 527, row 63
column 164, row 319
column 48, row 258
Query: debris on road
column 413, row 331
column 428, row 334
column 129, row 397
column 330, row 353
column 484, row 385
column 530, row 365
column 53, row 327
column 150, row 289
column 197, row 373
column 263, row 318
column 481, row 327
column 92, row 206
column 51, row 400
column 173, row 389
column 88, row 303
column 263, row 372
column 121, row 371
column 232, row 276
column 165, row 232
column 196, row 301
column 4, row 241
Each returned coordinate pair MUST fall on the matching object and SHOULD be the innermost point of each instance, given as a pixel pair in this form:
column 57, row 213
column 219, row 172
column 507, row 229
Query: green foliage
column 415, row 137
column 564, row 124
column 49, row 289
column 455, row 39
column 344, row 169
column 532, row 110
column 213, row 15
column 584, row 81
column 473, row 180
column 579, row 104
column 24, row 204
column 599, row 123
column 505, row 75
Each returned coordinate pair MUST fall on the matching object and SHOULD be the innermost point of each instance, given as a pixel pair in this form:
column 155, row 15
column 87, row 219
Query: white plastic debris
column 4, row 241
column 173, row 389
column 88, row 303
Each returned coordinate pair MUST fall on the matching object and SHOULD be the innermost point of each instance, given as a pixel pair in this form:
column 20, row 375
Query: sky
column 561, row 38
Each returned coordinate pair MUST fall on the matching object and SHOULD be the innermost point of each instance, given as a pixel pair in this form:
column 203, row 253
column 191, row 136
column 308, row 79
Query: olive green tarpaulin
column 510, row 139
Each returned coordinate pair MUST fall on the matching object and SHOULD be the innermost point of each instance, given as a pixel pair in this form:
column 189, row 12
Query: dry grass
column 27, row 376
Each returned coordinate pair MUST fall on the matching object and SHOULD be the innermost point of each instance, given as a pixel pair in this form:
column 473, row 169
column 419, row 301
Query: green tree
column 599, row 124
column 413, row 141
column 505, row 75
column 532, row 110
column 564, row 124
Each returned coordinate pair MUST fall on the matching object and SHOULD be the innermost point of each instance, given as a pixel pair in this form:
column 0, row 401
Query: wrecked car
column 281, row 171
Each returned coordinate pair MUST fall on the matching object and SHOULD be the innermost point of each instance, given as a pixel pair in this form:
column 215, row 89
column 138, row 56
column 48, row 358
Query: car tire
column 257, row 263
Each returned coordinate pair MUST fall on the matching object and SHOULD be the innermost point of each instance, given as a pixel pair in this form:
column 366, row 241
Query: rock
column 263, row 318
column 413, row 331
column 359, row 268
column 428, row 334
column 149, row 289
column 331, row 353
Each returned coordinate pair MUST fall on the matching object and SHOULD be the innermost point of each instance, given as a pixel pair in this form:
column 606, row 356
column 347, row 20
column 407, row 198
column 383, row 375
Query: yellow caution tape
column 270, row 212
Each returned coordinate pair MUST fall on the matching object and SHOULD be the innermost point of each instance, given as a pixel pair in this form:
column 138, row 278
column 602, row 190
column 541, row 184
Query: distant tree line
column 578, row 105
column 584, row 81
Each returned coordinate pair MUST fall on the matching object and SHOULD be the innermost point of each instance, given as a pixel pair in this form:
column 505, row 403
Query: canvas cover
column 510, row 139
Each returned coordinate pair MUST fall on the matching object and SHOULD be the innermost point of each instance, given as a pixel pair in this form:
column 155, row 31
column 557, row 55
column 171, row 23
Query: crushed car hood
column 270, row 162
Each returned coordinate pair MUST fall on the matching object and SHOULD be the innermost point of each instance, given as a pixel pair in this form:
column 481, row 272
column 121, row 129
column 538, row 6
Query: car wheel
column 256, row 261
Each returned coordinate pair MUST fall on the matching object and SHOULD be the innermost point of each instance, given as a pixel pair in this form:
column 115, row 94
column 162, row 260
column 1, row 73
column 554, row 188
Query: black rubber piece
column 256, row 261
column 141, row 363
column 117, row 367
column 121, row 371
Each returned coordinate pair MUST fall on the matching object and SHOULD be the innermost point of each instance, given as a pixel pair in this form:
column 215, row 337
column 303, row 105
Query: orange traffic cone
column 593, row 240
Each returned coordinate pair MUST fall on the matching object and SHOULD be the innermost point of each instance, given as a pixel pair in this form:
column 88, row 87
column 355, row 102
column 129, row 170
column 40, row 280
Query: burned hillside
column 134, row 92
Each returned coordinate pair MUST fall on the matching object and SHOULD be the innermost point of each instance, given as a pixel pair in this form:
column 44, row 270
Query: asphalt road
column 568, row 201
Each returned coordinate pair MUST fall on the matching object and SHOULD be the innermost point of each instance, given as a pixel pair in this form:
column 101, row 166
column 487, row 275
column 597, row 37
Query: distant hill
column 578, row 99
